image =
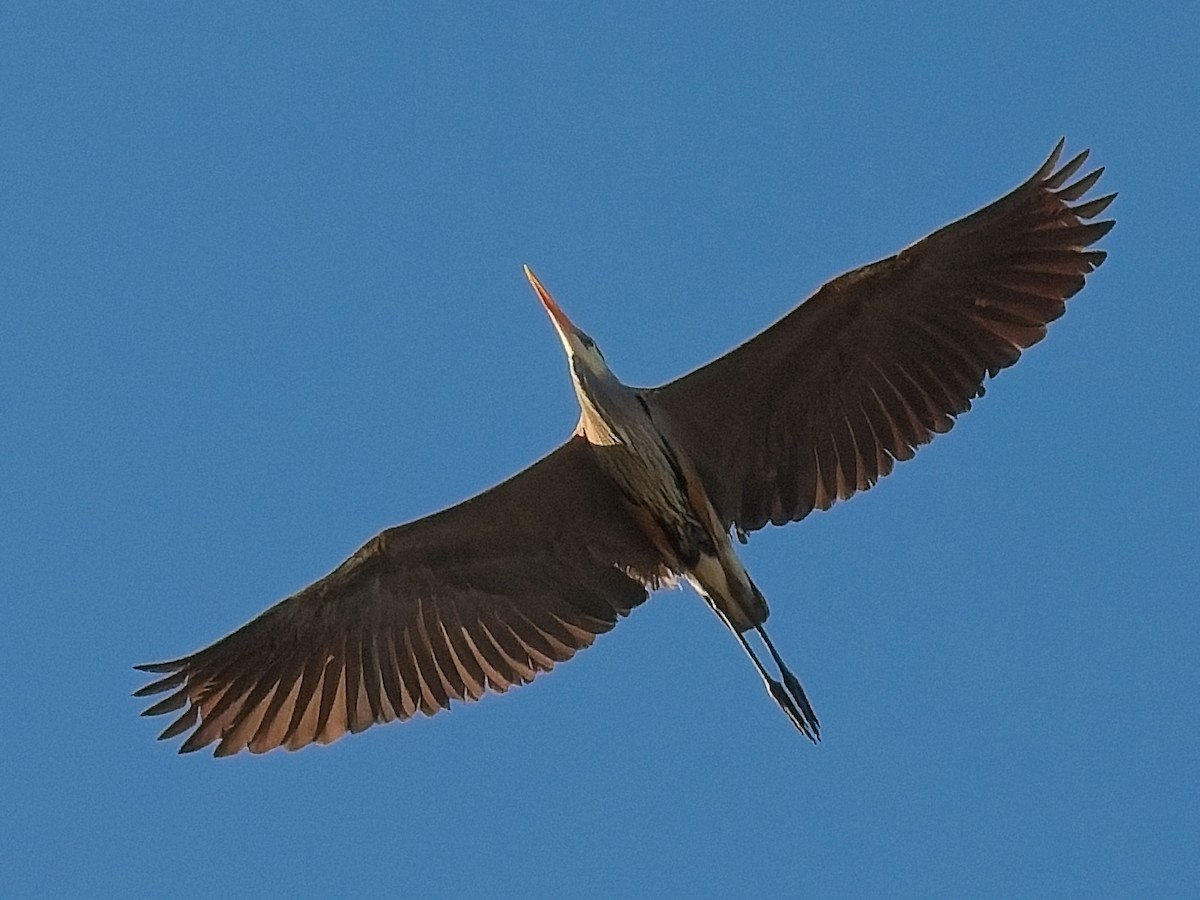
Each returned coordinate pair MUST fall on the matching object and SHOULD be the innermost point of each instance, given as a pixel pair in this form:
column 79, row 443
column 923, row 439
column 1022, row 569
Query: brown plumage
column 819, row 405
column 441, row 609
column 488, row 593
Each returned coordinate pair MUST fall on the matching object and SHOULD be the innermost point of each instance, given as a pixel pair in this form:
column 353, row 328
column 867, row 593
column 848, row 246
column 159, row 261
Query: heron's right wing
column 875, row 363
column 485, row 594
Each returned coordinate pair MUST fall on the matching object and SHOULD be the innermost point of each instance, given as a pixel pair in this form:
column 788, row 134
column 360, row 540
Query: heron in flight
column 649, row 489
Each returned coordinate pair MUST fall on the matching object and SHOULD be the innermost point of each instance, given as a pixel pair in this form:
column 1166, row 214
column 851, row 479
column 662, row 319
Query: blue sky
column 261, row 296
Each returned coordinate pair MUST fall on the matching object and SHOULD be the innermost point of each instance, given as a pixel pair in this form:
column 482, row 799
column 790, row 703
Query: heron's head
column 586, row 361
column 602, row 397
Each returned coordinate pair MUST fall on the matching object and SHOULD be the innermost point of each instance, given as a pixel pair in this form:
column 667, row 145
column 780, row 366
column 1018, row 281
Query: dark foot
column 794, row 688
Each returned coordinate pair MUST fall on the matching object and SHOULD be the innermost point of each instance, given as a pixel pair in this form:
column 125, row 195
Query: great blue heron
column 648, row 489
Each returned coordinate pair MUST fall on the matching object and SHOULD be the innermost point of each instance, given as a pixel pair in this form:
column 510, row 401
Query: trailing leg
column 803, row 716
column 793, row 686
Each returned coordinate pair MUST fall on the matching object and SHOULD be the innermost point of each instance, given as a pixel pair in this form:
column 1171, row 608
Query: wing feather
column 821, row 404
column 482, row 596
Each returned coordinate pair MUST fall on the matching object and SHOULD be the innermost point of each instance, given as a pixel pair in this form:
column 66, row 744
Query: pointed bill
column 561, row 322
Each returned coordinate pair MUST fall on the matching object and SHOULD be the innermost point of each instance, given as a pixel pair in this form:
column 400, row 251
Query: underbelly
column 671, row 511
column 659, row 498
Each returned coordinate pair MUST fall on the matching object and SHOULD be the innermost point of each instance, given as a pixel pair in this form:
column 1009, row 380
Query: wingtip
column 159, row 667
column 191, row 745
column 1052, row 160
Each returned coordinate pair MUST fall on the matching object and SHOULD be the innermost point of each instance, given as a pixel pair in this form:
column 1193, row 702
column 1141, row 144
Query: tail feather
column 725, row 584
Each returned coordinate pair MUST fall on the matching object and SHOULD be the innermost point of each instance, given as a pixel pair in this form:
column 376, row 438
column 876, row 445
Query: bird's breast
column 650, row 476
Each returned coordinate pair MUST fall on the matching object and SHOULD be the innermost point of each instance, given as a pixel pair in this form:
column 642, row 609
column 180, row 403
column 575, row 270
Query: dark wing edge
column 483, row 596
column 823, row 403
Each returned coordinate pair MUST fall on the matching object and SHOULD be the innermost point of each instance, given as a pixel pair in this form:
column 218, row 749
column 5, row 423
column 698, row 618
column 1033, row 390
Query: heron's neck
column 593, row 425
column 596, row 396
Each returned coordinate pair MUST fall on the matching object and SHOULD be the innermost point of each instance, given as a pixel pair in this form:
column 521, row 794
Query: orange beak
column 561, row 321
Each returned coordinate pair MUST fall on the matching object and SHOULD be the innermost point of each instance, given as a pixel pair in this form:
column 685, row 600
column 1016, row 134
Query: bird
column 652, row 488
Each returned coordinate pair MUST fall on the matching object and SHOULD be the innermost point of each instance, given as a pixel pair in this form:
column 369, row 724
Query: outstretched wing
column 823, row 402
column 486, row 594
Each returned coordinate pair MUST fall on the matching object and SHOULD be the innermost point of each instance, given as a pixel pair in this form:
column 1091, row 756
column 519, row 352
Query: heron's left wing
column 485, row 594
column 822, row 403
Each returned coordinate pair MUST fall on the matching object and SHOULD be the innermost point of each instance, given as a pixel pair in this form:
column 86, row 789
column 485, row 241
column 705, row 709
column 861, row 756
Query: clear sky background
column 261, row 297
